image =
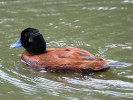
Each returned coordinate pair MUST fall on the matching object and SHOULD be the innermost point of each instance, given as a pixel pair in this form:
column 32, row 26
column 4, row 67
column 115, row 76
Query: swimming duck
column 64, row 59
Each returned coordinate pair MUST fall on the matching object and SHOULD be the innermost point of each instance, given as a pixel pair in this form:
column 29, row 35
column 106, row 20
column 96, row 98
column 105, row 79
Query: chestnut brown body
column 65, row 59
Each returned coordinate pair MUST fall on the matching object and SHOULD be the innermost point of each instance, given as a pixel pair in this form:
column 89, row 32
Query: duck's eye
column 30, row 39
column 25, row 35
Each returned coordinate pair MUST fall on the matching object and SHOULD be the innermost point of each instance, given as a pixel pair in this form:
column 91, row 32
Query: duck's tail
column 115, row 64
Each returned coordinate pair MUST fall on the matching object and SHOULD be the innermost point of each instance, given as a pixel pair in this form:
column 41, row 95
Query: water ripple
column 127, row 1
column 99, row 8
column 27, row 88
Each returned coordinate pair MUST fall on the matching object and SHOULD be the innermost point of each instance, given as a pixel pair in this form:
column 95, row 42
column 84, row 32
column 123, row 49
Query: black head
column 32, row 40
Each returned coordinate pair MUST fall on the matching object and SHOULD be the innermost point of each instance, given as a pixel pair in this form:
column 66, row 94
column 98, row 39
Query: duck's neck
column 37, row 47
column 31, row 53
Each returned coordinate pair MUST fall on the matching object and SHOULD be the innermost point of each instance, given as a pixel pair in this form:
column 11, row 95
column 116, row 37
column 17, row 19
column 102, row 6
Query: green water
column 103, row 27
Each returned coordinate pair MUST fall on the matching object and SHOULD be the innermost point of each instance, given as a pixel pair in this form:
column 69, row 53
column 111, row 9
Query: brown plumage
column 65, row 59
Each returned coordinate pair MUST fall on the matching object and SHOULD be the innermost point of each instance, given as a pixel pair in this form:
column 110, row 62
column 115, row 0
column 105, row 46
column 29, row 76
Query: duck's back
column 65, row 59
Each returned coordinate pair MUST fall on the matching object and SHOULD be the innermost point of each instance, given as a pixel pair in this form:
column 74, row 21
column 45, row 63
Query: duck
column 59, row 60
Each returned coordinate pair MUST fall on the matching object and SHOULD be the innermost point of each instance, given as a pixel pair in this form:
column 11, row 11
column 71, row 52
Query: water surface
column 104, row 28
